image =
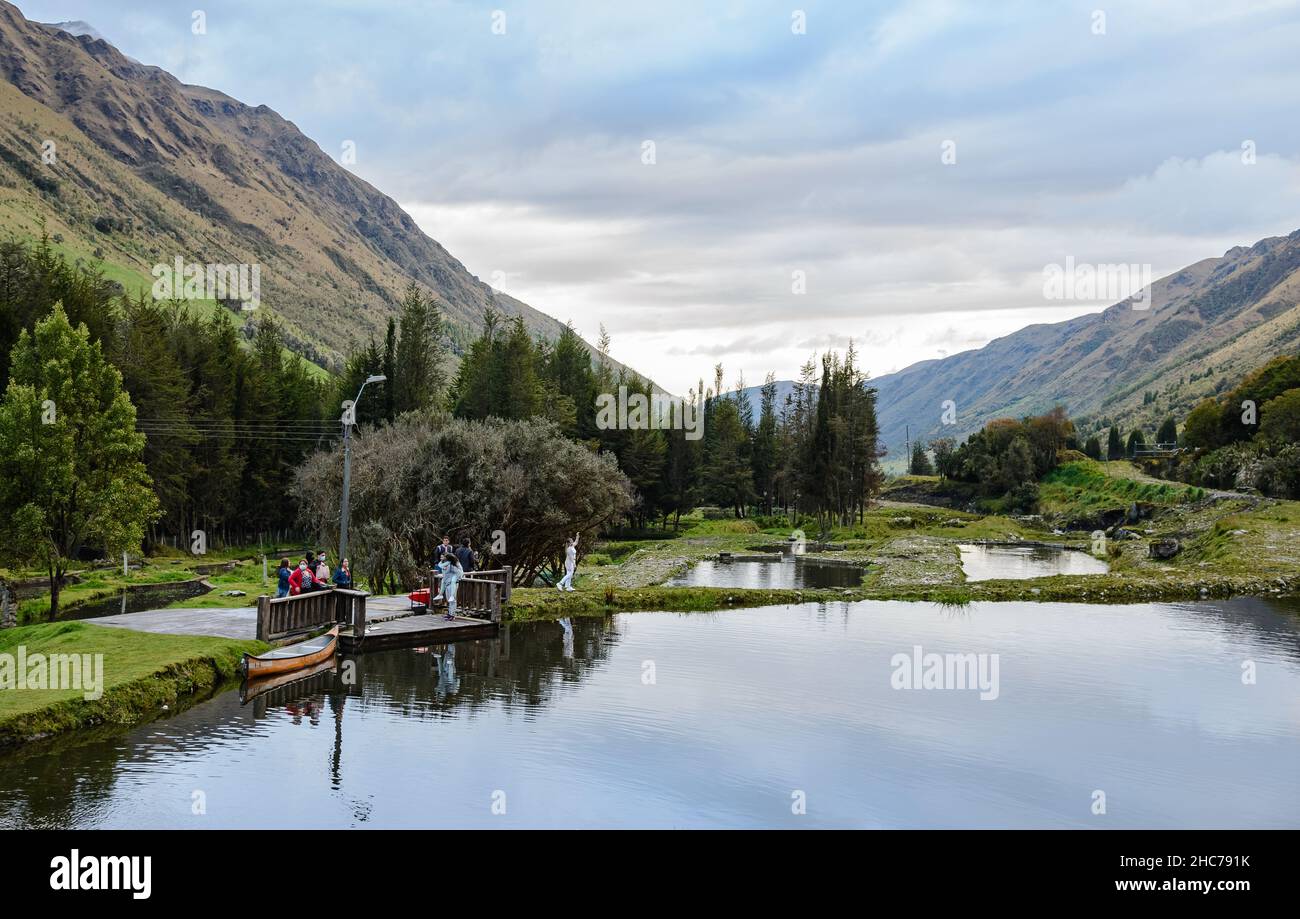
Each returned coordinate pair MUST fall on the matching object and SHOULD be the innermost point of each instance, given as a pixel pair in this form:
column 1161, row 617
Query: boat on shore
column 291, row 657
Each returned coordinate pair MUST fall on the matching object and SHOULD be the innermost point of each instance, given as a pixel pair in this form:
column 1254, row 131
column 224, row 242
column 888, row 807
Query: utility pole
column 350, row 419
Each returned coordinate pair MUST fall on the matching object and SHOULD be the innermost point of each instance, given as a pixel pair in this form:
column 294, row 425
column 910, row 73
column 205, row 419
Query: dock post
column 263, row 616
column 359, row 618
column 509, row 582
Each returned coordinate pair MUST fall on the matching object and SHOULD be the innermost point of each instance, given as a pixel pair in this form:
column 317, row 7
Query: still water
column 728, row 719
column 987, row 563
column 794, row 571
column 134, row 601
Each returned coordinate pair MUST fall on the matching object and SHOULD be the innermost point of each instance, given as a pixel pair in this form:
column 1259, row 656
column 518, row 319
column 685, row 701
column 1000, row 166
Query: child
column 451, row 574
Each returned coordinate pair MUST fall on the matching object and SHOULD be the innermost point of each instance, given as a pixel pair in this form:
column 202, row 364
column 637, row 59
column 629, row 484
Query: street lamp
column 349, row 419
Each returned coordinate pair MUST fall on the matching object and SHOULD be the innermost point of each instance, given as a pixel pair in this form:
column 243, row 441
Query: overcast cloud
column 777, row 152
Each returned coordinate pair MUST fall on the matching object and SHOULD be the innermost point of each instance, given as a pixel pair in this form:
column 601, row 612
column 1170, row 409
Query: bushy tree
column 429, row 474
column 71, row 467
column 1280, row 418
column 944, row 448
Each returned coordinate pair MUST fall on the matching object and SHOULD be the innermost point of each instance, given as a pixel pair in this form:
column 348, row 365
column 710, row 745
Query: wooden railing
column 280, row 617
column 481, row 592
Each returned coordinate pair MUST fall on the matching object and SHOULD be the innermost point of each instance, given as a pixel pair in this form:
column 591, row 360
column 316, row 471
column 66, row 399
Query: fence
column 480, row 591
column 280, row 617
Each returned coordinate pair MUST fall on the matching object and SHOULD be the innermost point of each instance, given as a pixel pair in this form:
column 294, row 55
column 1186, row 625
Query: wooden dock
column 393, row 622
column 368, row 622
column 416, row 629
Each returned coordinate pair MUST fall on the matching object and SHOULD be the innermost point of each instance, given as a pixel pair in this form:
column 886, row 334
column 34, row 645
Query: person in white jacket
column 570, row 564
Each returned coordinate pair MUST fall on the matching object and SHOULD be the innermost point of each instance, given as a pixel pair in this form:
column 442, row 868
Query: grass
column 142, row 673
column 1087, row 486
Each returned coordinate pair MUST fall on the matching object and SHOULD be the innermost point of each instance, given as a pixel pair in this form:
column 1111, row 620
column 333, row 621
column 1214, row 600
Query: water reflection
column 1018, row 562
column 660, row 719
column 135, row 601
column 780, row 571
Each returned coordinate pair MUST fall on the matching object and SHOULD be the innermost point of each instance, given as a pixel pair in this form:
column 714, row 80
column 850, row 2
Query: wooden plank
column 424, row 628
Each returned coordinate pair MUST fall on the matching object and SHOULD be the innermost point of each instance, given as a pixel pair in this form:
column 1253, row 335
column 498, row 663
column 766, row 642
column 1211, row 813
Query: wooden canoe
column 304, row 680
column 292, row 657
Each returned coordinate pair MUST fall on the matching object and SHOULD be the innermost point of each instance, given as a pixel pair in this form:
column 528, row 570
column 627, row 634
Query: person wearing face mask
column 322, row 570
column 300, row 579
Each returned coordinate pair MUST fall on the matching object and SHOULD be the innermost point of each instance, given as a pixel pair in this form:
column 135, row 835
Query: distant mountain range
column 1207, row 326
column 123, row 163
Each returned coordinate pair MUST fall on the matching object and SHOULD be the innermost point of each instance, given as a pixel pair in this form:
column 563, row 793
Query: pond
column 1018, row 562
column 779, row 571
column 734, row 719
column 135, row 601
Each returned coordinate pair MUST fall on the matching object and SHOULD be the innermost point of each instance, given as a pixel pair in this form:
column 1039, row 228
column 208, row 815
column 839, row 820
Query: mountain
column 146, row 169
column 784, row 390
column 1208, row 325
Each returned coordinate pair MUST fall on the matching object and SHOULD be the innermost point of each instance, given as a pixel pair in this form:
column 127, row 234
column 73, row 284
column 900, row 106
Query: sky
column 751, row 183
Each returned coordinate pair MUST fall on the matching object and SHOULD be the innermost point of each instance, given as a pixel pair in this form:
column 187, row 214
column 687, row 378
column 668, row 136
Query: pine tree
column 1114, row 446
column 764, row 449
column 417, row 374
column 920, row 464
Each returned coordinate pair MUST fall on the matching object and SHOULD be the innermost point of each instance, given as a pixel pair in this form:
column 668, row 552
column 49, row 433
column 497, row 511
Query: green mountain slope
column 148, row 169
column 1209, row 324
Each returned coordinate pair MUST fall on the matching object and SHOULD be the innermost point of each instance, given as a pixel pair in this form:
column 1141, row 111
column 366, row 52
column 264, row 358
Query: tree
column 1092, row 449
column 1136, row 441
column 417, row 374
column 1114, row 446
column 71, row 468
column 1280, row 418
column 920, row 464
column 1168, row 433
column 763, row 452
column 428, row 474
column 1017, row 464
column 728, row 476
column 1201, row 430
column 944, row 449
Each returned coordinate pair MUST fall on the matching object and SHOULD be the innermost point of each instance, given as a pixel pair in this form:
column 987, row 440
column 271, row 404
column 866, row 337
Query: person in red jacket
column 300, row 578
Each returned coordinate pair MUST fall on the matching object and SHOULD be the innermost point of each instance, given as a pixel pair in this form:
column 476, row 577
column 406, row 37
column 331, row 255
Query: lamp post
column 350, row 419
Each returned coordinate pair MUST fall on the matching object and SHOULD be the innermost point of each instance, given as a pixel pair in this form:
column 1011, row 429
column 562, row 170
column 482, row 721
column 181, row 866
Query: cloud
column 778, row 153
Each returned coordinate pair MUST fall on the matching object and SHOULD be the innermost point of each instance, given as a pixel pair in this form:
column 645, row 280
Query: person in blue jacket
column 282, row 578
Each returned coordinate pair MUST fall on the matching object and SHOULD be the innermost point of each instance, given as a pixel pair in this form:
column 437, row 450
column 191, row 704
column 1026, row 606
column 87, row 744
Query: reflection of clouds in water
column 1142, row 700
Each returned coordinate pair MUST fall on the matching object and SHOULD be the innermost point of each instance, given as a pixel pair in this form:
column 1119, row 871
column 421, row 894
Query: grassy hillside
column 1208, row 325
column 148, row 168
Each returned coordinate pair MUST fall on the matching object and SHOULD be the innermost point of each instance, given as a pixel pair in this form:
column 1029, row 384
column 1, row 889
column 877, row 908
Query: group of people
column 454, row 562
column 312, row 573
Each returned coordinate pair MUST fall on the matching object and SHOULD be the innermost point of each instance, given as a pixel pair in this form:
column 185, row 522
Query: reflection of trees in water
column 62, row 781
column 66, row 781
